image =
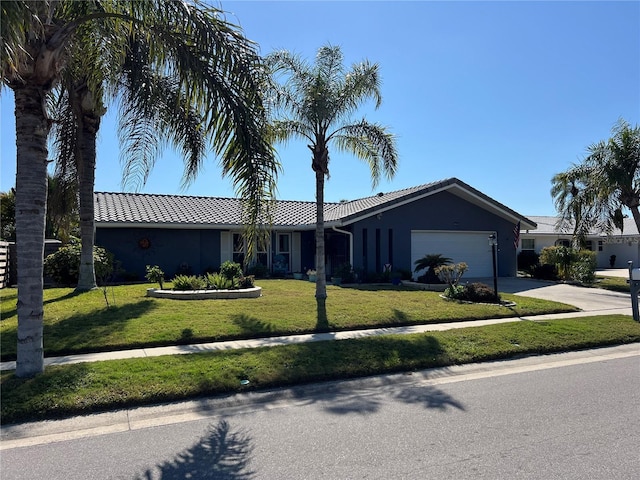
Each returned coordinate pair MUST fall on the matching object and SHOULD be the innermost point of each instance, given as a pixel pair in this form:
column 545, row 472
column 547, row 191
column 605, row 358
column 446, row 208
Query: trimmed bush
column 231, row 270
column 479, row 292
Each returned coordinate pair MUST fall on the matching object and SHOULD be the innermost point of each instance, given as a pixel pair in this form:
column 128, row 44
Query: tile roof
column 119, row 209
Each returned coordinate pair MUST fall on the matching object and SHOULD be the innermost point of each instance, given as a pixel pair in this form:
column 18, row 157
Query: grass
column 81, row 323
column 92, row 387
column 616, row 284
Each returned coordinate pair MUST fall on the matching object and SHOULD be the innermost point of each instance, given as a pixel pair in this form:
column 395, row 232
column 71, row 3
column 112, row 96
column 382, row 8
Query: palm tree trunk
column 321, row 278
column 89, row 124
column 32, row 130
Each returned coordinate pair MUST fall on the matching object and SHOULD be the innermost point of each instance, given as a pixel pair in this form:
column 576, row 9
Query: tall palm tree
column 215, row 67
column 315, row 102
column 151, row 113
column 595, row 193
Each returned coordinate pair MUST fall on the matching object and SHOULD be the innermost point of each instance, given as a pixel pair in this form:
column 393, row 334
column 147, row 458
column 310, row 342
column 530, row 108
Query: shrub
column 544, row 271
column 561, row 257
column 231, row 270
column 258, row 270
column 527, row 260
column 63, row 265
column 454, row 291
column 344, row 271
column 188, row 282
column 155, row 275
column 584, row 267
column 479, row 292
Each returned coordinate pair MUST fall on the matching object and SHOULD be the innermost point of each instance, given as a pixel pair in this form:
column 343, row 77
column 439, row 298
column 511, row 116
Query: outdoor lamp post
column 493, row 241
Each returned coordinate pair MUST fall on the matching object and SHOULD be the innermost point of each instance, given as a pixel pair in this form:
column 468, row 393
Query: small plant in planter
column 217, row 281
column 155, row 275
column 189, row 282
column 311, row 273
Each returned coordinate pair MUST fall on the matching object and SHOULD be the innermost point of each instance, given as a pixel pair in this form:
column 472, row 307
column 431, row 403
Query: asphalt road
column 570, row 416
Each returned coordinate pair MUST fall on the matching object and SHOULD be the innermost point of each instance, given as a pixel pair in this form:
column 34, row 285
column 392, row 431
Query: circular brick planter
column 254, row 292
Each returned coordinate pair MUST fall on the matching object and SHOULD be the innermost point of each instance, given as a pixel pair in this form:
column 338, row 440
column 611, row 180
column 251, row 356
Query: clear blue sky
column 502, row 95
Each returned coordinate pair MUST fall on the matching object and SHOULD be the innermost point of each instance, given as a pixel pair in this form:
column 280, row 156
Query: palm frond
column 372, row 143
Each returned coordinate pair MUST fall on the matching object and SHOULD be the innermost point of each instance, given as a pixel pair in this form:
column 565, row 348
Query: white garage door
column 470, row 247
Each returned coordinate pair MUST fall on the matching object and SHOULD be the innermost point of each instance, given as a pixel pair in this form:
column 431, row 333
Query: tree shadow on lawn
column 78, row 333
column 220, row 453
column 14, row 311
column 20, row 394
column 252, row 325
column 82, row 333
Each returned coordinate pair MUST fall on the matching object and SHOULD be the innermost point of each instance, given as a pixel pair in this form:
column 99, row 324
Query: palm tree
column 151, row 113
column 430, row 262
column 315, row 103
column 595, row 193
column 215, row 67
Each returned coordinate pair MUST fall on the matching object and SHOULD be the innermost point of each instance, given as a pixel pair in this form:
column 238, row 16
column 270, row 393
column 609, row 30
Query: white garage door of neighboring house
column 470, row 247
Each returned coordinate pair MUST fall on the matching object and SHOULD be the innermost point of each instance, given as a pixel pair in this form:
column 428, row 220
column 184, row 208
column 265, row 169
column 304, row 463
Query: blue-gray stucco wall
column 170, row 249
column 441, row 211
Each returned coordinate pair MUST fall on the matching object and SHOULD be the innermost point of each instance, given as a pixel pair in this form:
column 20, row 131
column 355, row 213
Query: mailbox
column 635, row 274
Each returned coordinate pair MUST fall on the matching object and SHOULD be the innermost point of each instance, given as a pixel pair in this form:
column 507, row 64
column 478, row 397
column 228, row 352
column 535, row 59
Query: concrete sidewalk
column 294, row 339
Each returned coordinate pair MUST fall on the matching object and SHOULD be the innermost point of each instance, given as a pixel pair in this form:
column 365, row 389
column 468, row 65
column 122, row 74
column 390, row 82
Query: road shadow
column 221, row 454
column 357, row 393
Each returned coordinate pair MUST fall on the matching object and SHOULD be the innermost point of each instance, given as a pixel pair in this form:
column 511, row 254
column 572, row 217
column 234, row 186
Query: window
column 600, row 245
column 563, row 242
column 589, row 245
column 283, row 253
column 528, row 244
column 240, row 249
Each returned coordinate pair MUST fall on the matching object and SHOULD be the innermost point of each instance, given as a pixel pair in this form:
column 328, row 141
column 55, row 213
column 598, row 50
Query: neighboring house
column 625, row 244
column 183, row 233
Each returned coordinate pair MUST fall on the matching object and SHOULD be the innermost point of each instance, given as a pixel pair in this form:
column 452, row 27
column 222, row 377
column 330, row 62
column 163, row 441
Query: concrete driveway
column 587, row 299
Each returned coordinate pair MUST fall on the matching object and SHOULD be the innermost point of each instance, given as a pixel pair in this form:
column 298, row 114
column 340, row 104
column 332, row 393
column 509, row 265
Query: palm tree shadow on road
column 219, row 454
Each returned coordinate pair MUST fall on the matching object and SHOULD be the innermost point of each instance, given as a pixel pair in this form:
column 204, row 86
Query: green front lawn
column 76, row 323
column 90, row 387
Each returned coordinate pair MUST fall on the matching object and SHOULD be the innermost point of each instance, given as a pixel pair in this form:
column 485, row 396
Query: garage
column 470, row 247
